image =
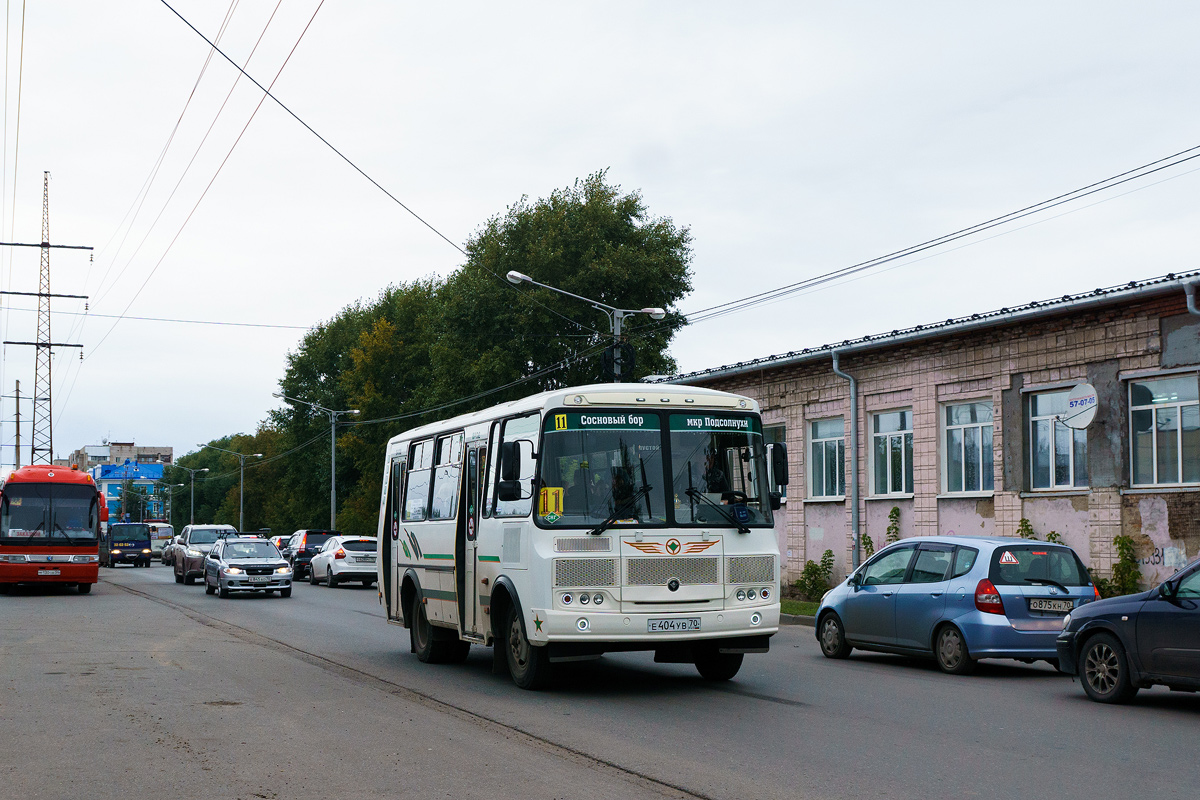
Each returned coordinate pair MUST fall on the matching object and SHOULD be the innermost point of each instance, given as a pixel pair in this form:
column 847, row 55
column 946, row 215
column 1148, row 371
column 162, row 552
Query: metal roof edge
column 1003, row 316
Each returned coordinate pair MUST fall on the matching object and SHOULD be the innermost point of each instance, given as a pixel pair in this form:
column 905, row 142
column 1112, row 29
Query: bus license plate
column 260, row 578
column 672, row 625
column 49, row 572
column 1055, row 606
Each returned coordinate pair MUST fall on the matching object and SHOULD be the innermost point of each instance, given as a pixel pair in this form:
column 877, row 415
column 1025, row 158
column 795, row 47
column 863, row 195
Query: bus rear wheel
column 529, row 666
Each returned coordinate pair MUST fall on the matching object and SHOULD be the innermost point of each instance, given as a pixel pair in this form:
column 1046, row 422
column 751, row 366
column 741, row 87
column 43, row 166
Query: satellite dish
column 1082, row 405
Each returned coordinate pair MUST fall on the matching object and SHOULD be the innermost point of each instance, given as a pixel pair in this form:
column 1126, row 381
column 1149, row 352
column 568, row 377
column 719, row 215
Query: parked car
column 1122, row 644
column 344, row 558
column 194, row 544
column 246, row 564
column 302, row 546
column 956, row 599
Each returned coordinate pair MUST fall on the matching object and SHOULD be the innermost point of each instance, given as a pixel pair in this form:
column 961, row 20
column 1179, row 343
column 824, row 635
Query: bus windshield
column 718, row 470
column 601, row 465
column 49, row 514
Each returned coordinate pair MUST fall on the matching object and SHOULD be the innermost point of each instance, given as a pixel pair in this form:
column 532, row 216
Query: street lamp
column 192, row 472
column 241, row 482
column 615, row 315
column 333, row 415
column 171, row 487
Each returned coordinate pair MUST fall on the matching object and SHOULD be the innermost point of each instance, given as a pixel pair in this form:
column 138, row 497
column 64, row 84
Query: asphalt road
column 146, row 687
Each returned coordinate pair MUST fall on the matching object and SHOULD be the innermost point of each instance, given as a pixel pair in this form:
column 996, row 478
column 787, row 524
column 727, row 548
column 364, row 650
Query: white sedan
column 344, row 558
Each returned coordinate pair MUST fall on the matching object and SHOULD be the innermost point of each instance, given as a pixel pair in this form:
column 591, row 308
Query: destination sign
column 602, row 420
column 705, row 423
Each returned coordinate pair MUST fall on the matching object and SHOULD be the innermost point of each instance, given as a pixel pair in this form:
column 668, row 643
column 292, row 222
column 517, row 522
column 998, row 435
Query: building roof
column 1035, row 309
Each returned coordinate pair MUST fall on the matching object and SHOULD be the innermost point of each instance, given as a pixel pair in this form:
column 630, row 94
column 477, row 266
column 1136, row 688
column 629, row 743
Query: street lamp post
column 615, row 315
column 241, row 481
column 333, row 416
column 170, row 487
column 192, row 473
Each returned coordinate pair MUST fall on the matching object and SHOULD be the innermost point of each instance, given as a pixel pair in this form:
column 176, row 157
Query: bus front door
column 464, row 551
column 388, row 542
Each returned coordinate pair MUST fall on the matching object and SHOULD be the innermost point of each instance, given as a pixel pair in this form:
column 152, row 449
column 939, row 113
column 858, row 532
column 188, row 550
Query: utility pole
column 18, row 445
column 42, row 447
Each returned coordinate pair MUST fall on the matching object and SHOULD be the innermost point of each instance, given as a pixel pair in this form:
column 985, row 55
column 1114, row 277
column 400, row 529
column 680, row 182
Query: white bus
column 582, row 521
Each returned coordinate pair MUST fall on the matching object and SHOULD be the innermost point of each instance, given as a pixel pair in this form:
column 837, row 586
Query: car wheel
column 951, row 652
column 1104, row 668
column 208, row 589
column 85, row 588
column 312, row 577
column 529, row 666
column 715, row 666
column 222, row 591
column 285, row 592
column 833, row 637
column 330, row 581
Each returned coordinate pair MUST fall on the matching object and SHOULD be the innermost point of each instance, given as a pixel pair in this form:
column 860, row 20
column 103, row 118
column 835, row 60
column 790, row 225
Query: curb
column 797, row 619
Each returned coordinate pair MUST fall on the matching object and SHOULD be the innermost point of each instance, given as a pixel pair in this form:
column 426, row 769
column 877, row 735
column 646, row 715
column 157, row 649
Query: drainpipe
column 856, row 558
column 1190, row 290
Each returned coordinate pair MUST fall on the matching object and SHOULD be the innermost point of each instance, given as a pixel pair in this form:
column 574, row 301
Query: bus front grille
column 581, row 572
column 658, row 571
column 750, row 569
column 582, row 544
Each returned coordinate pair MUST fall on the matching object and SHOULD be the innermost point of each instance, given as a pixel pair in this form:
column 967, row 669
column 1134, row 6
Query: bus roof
column 46, row 473
column 635, row 395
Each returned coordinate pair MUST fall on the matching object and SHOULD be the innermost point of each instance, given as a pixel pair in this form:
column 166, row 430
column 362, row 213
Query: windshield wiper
column 724, row 510
column 628, row 504
column 1048, row 582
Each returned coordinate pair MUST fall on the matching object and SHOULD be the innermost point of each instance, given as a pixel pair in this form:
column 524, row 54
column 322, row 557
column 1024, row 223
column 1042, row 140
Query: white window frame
column 907, row 466
column 1053, row 421
column 825, row 442
column 1154, row 408
column 776, row 487
column 987, row 472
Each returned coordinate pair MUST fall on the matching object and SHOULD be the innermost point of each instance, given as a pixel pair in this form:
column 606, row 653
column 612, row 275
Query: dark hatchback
column 302, row 547
column 1119, row 645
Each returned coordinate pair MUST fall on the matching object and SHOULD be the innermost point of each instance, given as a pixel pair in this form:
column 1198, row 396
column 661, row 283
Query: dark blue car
column 1123, row 644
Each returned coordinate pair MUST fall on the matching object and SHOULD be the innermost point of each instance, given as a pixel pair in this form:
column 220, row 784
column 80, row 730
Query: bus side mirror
column 776, row 500
column 508, row 491
column 779, row 464
column 510, row 463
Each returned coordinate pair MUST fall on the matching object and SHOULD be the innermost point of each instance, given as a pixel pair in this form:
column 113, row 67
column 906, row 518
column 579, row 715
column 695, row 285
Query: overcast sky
column 791, row 138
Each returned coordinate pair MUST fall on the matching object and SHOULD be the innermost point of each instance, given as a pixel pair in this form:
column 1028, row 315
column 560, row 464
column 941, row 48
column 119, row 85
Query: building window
column 827, row 470
column 1058, row 454
column 968, row 437
column 891, row 453
column 1165, row 422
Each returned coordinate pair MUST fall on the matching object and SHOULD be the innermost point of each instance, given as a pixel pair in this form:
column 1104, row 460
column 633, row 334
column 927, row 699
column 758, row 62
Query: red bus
column 50, row 527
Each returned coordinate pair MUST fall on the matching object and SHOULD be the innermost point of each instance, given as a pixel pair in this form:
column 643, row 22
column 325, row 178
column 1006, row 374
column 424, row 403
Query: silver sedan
column 246, row 565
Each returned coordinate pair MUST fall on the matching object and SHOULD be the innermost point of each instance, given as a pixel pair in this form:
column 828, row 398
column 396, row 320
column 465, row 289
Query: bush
column 814, row 580
column 893, row 528
column 1127, row 575
column 1025, row 530
column 868, row 545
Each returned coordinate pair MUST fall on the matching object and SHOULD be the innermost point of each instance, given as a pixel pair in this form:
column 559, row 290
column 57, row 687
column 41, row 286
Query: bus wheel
column 715, row 666
column 528, row 665
column 422, row 633
column 85, row 588
column 5, row 588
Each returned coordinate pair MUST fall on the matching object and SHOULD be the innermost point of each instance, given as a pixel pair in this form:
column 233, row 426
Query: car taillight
column 1096, row 590
column 340, row 553
column 987, row 599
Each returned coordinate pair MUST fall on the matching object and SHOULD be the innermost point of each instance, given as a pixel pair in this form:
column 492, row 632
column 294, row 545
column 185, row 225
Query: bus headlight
column 116, row 552
column 145, row 549
column 83, row 559
column 13, row 559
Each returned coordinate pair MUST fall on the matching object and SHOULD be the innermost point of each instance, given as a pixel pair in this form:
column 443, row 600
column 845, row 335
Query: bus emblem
column 673, row 546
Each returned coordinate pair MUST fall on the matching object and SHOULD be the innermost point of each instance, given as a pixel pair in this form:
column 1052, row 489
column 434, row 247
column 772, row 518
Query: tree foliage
column 437, row 347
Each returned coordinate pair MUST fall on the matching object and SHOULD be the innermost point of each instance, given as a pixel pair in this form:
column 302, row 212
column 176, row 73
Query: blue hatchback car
column 957, row 599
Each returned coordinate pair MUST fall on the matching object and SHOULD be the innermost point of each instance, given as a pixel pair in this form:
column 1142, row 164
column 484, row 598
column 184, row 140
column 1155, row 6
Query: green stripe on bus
column 442, row 556
column 490, row 558
column 438, row 594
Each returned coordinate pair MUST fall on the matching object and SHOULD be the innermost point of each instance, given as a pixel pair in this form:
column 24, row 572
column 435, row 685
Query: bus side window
column 525, row 431
column 416, row 494
column 489, row 484
column 446, row 477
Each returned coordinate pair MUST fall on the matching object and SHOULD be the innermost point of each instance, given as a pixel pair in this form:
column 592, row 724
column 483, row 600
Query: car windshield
column 718, row 470
column 129, row 533
column 206, row 536
column 49, row 514
column 250, row 550
column 359, row 545
column 1024, row 565
column 601, row 464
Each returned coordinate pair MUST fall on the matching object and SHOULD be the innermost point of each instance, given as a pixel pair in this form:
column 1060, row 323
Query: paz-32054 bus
column 583, row 521
column 49, row 527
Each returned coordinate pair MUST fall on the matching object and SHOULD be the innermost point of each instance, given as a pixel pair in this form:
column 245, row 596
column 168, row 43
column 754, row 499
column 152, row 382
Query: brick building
column 960, row 428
